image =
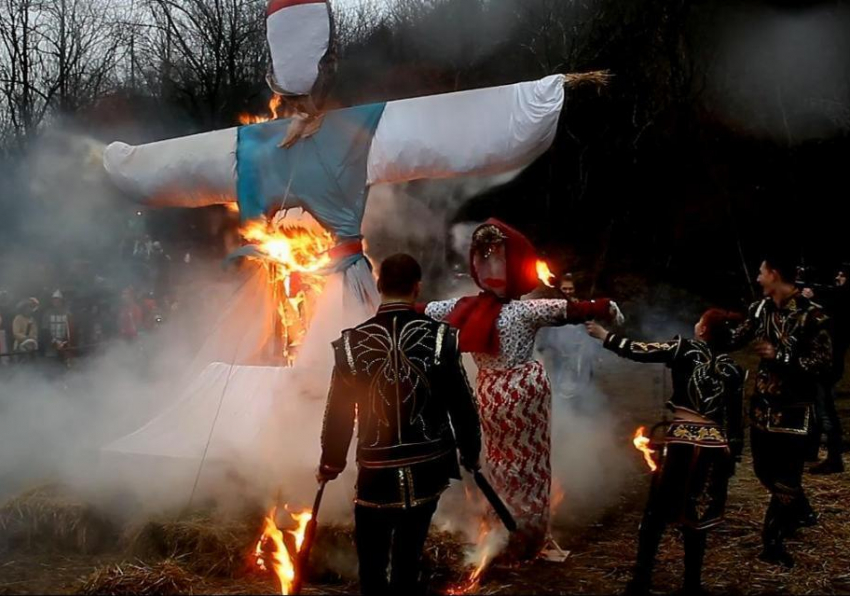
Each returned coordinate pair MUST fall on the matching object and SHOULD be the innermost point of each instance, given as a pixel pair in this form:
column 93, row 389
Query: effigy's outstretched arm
column 478, row 132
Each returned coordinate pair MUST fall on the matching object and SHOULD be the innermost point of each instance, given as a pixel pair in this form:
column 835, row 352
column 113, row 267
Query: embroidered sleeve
column 813, row 353
column 659, row 352
column 744, row 333
column 338, row 425
column 735, row 412
column 542, row 312
column 462, row 405
column 440, row 310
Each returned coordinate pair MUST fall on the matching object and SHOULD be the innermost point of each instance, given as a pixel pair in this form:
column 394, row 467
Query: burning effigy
column 318, row 270
column 300, row 185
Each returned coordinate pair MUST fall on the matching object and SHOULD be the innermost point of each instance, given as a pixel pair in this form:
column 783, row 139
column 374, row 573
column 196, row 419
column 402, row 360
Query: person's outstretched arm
column 662, row 352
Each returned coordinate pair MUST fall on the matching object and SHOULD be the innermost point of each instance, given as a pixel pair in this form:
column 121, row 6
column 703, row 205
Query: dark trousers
column 391, row 536
column 652, row 526
column 829, row 422
column 778, row 460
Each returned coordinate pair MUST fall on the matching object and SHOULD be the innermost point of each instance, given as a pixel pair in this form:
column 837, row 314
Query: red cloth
column 521, row 257
column 475, row 316
column 346, row 249
column 516, row 420
column 276, row 5
column 592, row 310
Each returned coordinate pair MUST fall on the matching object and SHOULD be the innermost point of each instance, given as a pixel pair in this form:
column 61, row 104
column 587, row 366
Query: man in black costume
column 690, row 485
column 836, row 304
column 400, row 375
column 791, row 336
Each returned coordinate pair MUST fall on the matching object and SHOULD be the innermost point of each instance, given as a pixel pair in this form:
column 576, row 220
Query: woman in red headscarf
column 513, row 389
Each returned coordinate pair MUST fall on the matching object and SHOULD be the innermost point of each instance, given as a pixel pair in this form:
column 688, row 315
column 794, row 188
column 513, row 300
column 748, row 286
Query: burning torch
column 652, row 449
column 495, row 501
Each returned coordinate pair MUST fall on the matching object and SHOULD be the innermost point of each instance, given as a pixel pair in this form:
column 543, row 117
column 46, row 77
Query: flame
column 232, row 207
column 274, row 105
column 641, row 443
column 544, row 274
column 302, row 519
column 558, row 496
column 294, row 251
column 486, row 548
column 271, row 552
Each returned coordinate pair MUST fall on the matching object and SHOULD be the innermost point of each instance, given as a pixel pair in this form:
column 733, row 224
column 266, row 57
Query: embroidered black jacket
column 708, row 384
column 400, row 376
column 800, row 333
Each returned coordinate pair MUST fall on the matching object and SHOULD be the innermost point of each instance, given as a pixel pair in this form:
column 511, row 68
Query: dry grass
column 51, row 518
column 204, row 545
column 166, row 577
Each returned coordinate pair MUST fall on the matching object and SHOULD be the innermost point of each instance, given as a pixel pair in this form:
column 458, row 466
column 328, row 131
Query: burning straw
column 50, row 517
column 163, row 578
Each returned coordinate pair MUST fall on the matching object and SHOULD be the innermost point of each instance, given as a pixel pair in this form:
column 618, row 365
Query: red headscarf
column 475, row 316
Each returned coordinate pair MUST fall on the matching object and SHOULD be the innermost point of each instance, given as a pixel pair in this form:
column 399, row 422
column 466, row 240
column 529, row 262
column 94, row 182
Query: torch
column 495, row 502
column 309, row 537
column 652, row 450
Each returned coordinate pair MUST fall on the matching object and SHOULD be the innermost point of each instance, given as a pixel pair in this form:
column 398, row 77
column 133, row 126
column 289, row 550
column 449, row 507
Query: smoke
column 783, row 74
column 176, row 404
column 592, row 456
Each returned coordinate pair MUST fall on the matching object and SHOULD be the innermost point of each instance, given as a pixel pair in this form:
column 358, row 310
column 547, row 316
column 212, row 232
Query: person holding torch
column 701, row 445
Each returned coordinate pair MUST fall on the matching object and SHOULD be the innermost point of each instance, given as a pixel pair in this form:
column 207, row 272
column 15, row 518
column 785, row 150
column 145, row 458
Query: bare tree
column 24, row 82
column 57, row 57
column 83, row 43
column 210, row 53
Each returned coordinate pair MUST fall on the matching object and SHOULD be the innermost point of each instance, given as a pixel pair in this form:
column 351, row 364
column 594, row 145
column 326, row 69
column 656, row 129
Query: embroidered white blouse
column 517, row 324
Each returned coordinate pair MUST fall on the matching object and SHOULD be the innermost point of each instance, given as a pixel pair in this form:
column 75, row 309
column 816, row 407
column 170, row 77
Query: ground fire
column 486, row 547
column 277, row 551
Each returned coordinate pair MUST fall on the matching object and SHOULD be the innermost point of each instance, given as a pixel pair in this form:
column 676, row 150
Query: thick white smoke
column 54, row 429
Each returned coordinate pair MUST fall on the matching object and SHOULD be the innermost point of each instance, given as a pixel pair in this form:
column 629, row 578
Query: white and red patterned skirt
column 516, row 419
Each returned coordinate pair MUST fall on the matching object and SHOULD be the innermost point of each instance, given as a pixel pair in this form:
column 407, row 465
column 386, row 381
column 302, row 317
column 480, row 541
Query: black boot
column 639, row 585
column 828, row 466
column 778, row 521
column 833, row 464
column 806, row 516
column 649, row 537
column 694, row 555
column 776, row 554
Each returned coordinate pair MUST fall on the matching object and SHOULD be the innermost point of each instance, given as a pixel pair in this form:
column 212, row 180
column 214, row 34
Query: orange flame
column 297, row 250
column 544, row 274
column 232, row 207
column 485, row 549
column 641, row 443
column 558, row 496
column 294, row 256
column 274, row 105
column 271, row 552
